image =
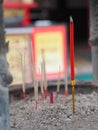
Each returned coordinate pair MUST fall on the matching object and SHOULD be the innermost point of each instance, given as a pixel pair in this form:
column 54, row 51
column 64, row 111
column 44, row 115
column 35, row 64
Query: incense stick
column 66, row 85
column 51, row 98
column 44, row 73
column 36, row 94
column 34, row 73
column 22, row 60
column 58, row 83
column 42, row 84
column 33, row 65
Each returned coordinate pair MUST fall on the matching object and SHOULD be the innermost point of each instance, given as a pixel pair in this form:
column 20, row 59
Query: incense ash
column 57, row 115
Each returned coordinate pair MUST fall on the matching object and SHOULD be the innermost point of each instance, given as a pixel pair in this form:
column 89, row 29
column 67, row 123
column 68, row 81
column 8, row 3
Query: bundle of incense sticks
column 44, row 73
column 58, row 83
column 66, row 86
column 22, row 60
column 36, row 94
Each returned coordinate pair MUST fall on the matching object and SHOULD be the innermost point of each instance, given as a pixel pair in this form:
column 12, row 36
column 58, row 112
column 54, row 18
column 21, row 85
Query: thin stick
column 33, row 65
column 36, row 94
column 42, row 84
column 22, row 57
column 33, row 73
column 44, row 73
column 58, row 83
column 66, row 85
column 51, row 98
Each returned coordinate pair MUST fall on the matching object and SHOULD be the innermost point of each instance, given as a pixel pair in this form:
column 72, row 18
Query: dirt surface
column 57, row 116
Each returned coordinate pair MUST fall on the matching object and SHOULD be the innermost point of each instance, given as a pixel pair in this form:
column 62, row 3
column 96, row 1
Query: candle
column 72, row 47
column 72, row 61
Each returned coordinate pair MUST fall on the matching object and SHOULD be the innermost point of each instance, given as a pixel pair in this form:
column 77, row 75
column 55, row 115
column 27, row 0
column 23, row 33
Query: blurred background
column 57, row 11
column 31, row 13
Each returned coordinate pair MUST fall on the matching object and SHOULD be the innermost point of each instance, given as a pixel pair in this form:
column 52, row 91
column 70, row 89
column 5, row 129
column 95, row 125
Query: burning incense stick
column 36, row 94
column 44, row 72
column 66, row 87
column 72, row 61
column 22, row 60
column 58, row 83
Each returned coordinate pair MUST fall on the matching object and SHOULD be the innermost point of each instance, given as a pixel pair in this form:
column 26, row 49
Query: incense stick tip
column 71, row 19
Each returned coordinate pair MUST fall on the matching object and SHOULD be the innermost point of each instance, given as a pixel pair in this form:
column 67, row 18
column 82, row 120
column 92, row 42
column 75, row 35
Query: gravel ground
column 57, row 116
